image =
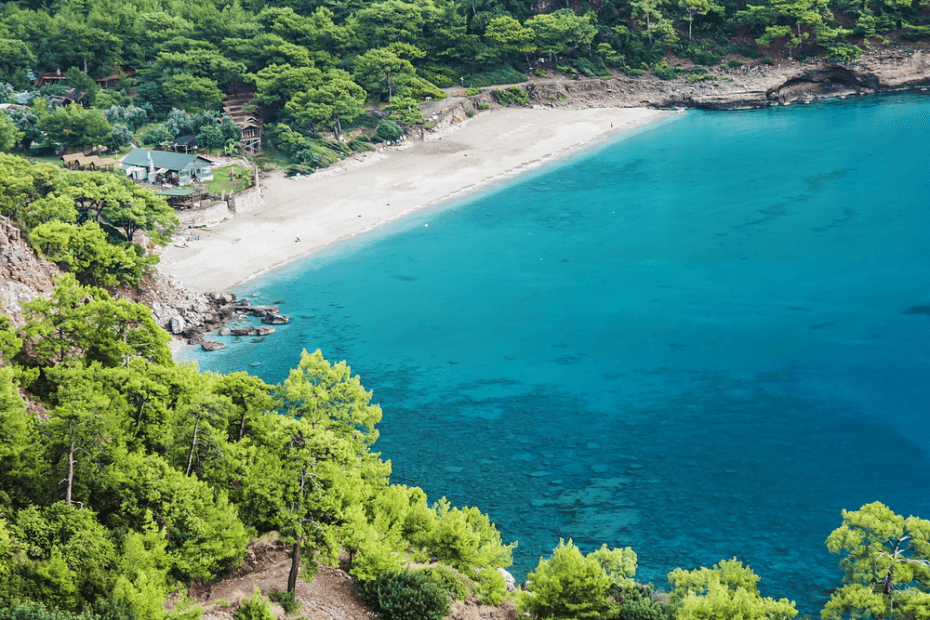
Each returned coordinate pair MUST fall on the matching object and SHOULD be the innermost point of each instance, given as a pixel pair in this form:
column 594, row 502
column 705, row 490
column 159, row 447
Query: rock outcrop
column 23, row 275
column 745, row 87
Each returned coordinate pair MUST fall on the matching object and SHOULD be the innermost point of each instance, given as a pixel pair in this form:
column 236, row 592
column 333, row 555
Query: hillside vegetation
column 314, row 67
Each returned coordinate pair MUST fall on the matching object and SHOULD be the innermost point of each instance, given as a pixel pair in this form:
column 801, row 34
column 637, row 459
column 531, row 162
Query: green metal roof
column 160, row 159
column 177, row 191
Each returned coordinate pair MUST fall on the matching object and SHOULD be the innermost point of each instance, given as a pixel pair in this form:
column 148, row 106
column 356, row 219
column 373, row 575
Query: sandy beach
column 300, row 216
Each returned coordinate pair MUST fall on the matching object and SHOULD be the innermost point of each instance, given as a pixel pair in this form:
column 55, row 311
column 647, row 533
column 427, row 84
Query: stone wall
column 211, row 213
column 244, row 202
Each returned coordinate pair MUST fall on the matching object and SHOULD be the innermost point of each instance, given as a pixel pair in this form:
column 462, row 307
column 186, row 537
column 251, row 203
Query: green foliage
column 31, row 610
column 491, row 586
column 569, row 585
column 286, row 600
column 254, row 607
column 457, row 585
column 664, row 72
column 886, row 561
column 641, row 602
column 86, row 252
column 388, row 131
column 466, row 539
column 9, row 133
column 68, row 559
column 405, row 596
column 504, row 75
column 85, row 324
column 404, row 110
column 75, row 127
column 513, row 95
column 726, row 591
column 843, row 52
column 471, row 91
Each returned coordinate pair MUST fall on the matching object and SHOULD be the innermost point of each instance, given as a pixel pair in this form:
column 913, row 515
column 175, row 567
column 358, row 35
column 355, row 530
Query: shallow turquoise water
column 702, row 341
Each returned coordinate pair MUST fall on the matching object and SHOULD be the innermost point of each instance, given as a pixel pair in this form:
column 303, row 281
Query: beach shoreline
column 303, row 216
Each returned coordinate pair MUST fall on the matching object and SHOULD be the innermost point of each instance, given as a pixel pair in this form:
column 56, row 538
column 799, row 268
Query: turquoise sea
column 702, row 340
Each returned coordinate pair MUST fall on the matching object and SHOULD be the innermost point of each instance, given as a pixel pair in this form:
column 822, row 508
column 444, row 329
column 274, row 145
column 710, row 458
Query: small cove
column 703, row 340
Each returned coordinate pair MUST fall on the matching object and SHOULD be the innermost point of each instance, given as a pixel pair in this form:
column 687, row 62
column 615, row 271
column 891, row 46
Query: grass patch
column 221, row 182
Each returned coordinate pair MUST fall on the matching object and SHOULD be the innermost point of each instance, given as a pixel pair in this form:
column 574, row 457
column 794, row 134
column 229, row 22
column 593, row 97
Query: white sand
column 332, row 205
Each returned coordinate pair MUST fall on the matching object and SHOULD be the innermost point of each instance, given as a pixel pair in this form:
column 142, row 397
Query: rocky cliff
column 25, row 276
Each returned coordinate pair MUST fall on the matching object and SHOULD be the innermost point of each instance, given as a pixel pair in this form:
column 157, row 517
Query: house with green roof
column 165, row 167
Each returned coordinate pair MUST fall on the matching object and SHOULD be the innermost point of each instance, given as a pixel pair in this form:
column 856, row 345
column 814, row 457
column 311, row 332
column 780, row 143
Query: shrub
column 286, row 600
column 504, row 75
column 630, row 72
column 514, row 94
column 255, row 607
column 643, row 603
column 733, row 64
column 471, row 92
column 38, row 611
column 570, row 585
column 454, row 583
column 405, row 596
column 843, row 52
column 388, row 131
column 465, row 538
column 768, row 61
column 483, row 105
column 491, row 586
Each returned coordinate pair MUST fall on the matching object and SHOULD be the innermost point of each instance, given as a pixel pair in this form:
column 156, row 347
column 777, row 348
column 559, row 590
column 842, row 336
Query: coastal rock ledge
column 746, row 87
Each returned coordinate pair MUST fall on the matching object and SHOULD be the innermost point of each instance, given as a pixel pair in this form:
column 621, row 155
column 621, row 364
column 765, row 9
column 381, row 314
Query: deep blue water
column 702, row 341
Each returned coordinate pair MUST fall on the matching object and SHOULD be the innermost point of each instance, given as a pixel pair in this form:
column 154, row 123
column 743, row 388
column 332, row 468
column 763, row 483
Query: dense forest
column 314, row 66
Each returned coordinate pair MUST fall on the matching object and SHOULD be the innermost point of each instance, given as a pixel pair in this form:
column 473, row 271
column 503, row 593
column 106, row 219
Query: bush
column 733, row 64
column 483, row 105
column 388, row 131
column 569, row 585
column 643, row 603
column 454, row 583
column 504, row 75
column 843, row 52
column 471, row 92
column 37, row 611
column 255, row 607
column 513, row 95
column 405, row 596
column 491, row 586
column 360, row 144
column 286, row 600
column 768, row 61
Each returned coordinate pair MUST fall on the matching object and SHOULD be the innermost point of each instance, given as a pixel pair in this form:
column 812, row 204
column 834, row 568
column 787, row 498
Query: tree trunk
column 190, row 455
column 337, row 127
column 70, row 473
column 390, row 92
column 242, row 423
column 295, row 566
